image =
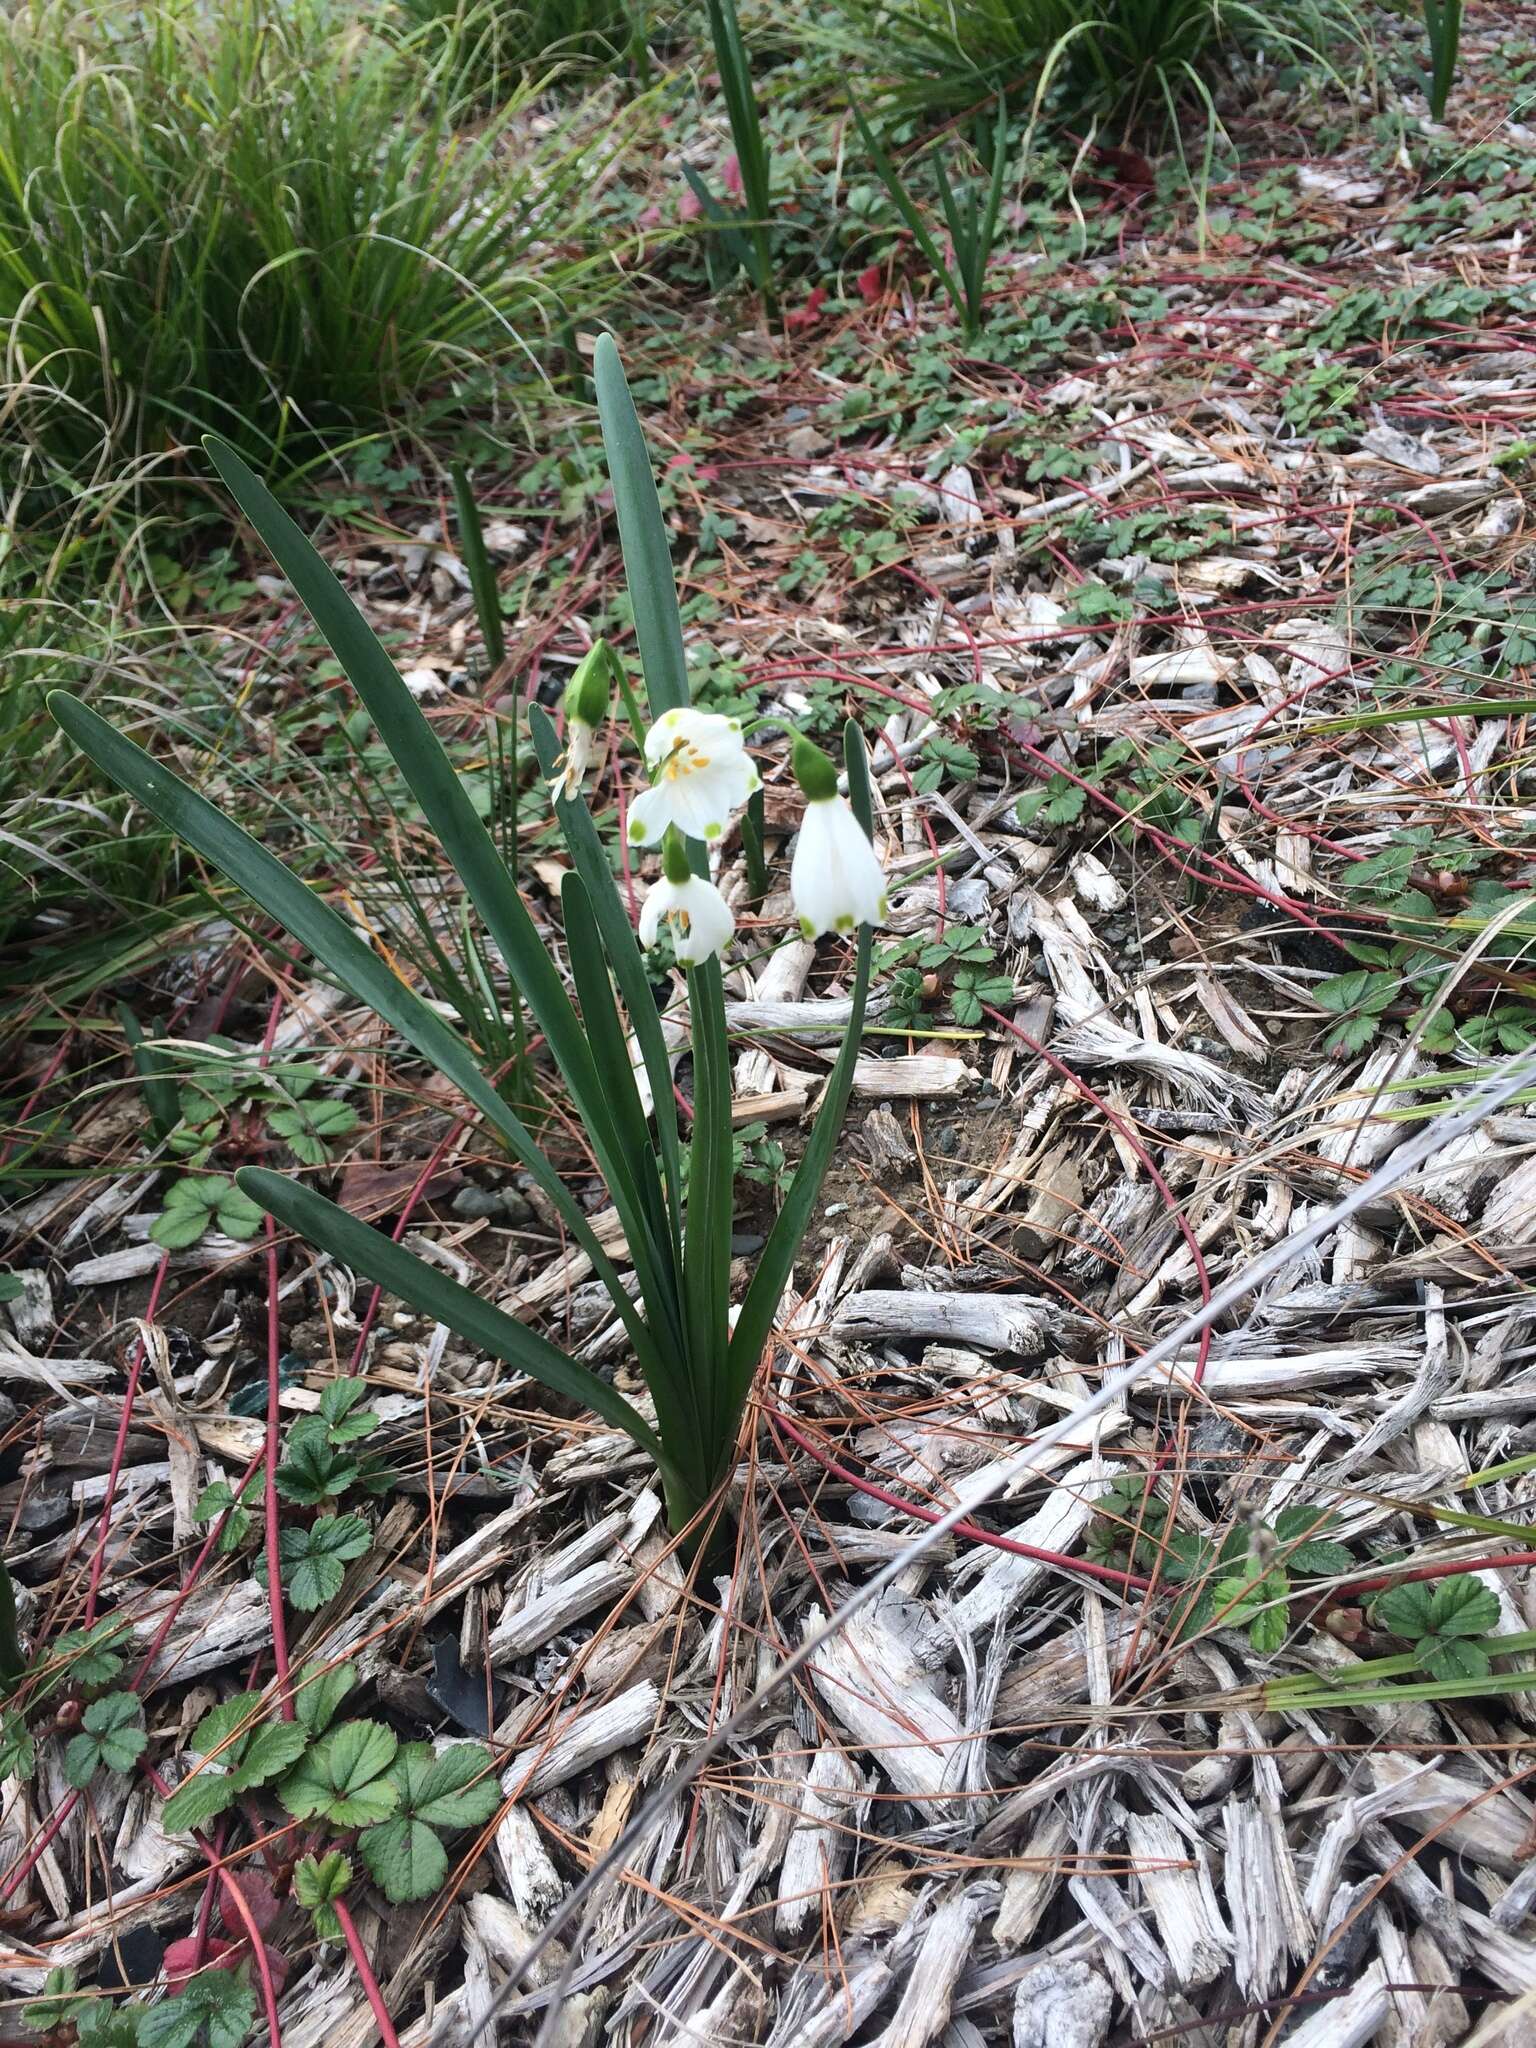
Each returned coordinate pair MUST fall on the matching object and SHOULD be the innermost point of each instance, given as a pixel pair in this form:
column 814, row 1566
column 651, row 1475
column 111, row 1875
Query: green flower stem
column 12, row 1662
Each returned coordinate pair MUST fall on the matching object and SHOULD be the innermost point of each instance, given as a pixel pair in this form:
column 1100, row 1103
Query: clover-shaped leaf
column 215, row 2008
column 192, row 1206
column 313, row 1470
column 111, row 1738
column 344, row 1419
column 220, row 1499
column 453, row 1790
column 1301, row 1530
column 319, row 1691
column 243, row 1750
column 344, row 1777
column 314, row 1560
column 317, row 1882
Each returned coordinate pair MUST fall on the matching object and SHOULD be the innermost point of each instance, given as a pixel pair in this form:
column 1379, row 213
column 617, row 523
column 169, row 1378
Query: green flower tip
column 588, row 691
column 674, row 857
column 814, row 770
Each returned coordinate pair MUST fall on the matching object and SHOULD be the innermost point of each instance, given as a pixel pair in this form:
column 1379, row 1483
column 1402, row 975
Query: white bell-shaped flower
column 697, row 915
column 835, row 878
column 700, row 773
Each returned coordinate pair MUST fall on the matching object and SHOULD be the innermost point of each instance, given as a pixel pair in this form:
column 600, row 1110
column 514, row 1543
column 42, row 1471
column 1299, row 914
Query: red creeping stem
column 364, row 1969
column 242, row 1907
column 274, row 1389
column 18, row 1873
column 120, row 1445
column 968, row 1530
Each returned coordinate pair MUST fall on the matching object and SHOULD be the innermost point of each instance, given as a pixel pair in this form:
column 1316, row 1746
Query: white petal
column 710, row 923
column 658, row 898
column 706, row 731
column 649, row 815
column 703, row 801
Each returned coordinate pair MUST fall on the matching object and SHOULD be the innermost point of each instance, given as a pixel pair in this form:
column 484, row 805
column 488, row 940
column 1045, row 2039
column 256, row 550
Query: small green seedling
column 1446, row 1623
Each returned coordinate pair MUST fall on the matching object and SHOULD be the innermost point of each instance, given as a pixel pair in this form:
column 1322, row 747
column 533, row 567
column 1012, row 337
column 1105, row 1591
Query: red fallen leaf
column 871, row 285
column 184, row 1958
column 689, row 205
column 260, row 1899
column 682, row 461
column 808, row 314
column 731, row 175
column 182, row 1961
column 372, row 1190
column 650, row 216
column 1129, row 165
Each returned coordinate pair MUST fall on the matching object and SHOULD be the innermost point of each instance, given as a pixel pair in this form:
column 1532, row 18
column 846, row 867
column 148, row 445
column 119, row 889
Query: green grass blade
column 891, row 178
column 477, row 563
column 778, row 1255
column 446, row 802
column 642, row 535
column 432, row 1293
column 624, row 957
column 740, row 248
column 339, row 949
column 741, row 105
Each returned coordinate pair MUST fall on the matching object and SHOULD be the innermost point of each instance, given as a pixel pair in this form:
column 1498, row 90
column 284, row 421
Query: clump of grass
column 486, row 50
column 1128, row 58
column 253, row 218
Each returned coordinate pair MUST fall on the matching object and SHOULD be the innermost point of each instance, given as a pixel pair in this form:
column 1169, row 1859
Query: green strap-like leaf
column 477, row 563
column 624, row 957
column 435, row 1294
column 778, row 1255
column 892, row 180
column 653, row 1253
column 711, row 1201
column 643, row 536
column 431, row 778
column 341, row 951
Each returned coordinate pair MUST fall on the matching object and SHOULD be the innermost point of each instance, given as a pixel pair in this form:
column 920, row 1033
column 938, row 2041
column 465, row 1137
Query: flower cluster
column 700, row 774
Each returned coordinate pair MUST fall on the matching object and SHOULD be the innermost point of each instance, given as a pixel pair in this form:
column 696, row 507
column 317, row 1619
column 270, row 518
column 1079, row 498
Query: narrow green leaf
column 624, row 957
column 434, row 1294
column 340, row 949
column 778, row 1256
column 446, row 803
column 642, row 535
column 892, row 180
column 477, row 563
column 707, row 1233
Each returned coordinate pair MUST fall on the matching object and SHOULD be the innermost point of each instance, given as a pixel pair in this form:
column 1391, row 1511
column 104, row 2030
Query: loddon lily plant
column 696, row 1351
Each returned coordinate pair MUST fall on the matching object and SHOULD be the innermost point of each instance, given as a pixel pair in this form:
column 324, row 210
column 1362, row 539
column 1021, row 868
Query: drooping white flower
column 700, row 773
column 697, row 915
column 835, row 878
column 587, row 697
